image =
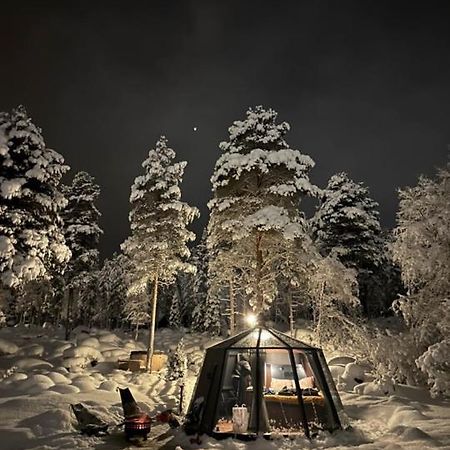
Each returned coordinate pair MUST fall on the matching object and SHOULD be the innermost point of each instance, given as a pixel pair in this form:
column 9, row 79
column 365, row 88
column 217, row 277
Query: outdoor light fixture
column 251, row 319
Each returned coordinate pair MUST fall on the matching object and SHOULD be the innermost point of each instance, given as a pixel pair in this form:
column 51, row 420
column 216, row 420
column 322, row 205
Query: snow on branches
column 422, row 249
column 257, row 184
column 158, row 220
column 32, row 242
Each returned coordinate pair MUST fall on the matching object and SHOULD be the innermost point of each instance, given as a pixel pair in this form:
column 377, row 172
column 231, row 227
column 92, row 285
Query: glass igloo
column 262, row 381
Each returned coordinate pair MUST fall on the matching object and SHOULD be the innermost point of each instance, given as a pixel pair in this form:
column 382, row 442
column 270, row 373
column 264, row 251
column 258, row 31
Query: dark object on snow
column 137, row 423
column 194, row 416
column 129, row 405
column 168, row 417
column 89, row 423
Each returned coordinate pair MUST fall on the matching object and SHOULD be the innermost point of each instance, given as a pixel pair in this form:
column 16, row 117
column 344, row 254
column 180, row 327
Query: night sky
column 365, row 86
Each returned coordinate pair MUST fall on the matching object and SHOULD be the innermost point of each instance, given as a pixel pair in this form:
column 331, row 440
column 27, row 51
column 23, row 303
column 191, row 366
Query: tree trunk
column 136, row 332
column 258, row 277
column 151, row 331
column 319, row 319
column 68, row 312
column 291, row 311
column 232, row 322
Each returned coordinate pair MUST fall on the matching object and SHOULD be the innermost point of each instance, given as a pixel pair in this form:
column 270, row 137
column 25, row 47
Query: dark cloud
column 364, row 86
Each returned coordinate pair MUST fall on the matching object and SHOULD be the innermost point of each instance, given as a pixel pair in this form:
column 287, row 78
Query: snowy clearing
column 41, row 375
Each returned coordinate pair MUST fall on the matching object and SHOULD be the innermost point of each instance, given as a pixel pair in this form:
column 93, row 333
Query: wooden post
column 181, row 398
column 151, row 331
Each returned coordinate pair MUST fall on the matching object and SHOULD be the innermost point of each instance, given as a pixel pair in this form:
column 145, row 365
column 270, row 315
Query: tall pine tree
column 32, row 243
column 257, row 184
column 346, row 225
column 157, row 246
column 82, row 231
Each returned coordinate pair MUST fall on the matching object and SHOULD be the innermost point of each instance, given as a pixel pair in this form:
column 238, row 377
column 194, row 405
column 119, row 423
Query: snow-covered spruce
column 346, row 225
column 112, row 289
column 157, row 246
column 82, row 231
column 32, row 242
column 255, row 221
column 175, row 310
column 177, row 362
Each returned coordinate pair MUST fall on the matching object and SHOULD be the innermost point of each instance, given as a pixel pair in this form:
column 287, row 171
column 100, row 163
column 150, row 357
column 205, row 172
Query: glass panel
column 333, row 390
column 290, row 341
column 267, row 339
column 250, row 340
column 317, row 404
column 236, row 400
column 280, row 393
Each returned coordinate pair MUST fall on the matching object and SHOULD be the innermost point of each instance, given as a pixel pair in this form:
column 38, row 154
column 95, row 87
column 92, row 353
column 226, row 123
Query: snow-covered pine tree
column 175, row 310
column 257, row 184
column 113, row 287
column 200, row 285
column 136, row 310
column 177, row 363
column 157, row 246
column 346, row 224
column 32, row 243
column 82, row 232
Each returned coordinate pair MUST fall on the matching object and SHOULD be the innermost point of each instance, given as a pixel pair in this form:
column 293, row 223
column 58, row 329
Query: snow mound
column 65, row 389
column 354, row 374
column 109, row 338
column 32, row 363
column 381, row 388
column 110, row 386
column 80, row 357
column 406, row 416
column 7, row 347
column 50, row 422
column 58, row 378
column 115, row 354
column 413, row 434
column 36, row 384
column 59, row 350
column 84, row 384
column 83, row 351
column 336, row 372
column 16, row 376
column 32, row 350
column 88, row 341
column 341, row 361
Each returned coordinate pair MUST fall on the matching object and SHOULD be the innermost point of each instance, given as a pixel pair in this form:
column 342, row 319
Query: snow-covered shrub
column 422, row 250
column 81, row 356
column 435, row 363
column 177, row 363
column 393, row 354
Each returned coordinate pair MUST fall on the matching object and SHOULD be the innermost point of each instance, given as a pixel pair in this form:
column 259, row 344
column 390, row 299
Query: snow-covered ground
column 41, row 375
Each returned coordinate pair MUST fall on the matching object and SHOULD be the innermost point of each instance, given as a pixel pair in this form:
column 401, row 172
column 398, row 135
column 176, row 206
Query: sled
column 89, row 423
column 137, row 423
